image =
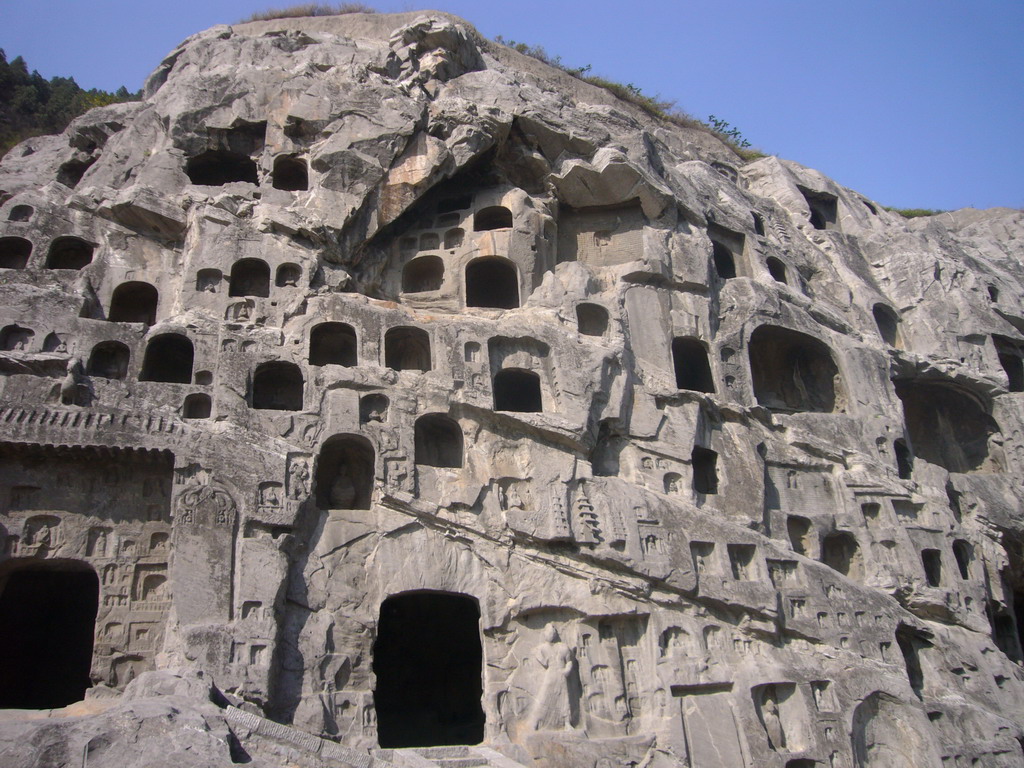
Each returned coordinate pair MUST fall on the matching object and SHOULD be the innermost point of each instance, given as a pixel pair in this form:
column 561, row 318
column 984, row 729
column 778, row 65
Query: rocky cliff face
column 377, row 380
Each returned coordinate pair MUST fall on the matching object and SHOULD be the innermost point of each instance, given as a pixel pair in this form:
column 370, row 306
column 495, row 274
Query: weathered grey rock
column 370, row 388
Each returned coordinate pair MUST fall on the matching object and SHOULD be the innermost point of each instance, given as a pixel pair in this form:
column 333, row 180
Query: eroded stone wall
column 724, row 457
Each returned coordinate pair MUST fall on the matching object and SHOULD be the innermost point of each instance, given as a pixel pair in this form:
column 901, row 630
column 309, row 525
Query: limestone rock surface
column 372, row 394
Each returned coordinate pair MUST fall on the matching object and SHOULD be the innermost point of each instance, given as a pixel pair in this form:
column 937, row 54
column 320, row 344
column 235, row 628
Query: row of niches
column 231, row 156
column 64, row 252
column 790, row 372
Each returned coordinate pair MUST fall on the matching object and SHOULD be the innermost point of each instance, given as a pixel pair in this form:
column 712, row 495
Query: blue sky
column 914, row 103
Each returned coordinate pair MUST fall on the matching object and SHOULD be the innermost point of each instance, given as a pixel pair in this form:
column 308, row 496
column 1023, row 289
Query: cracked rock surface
column 370, row 391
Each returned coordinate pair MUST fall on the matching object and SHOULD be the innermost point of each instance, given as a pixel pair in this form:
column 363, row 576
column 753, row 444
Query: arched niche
column 888, row 324
column 453, row 238
column 217, row 167
column 197, row 406
column 21, row 213
column 290, row 173
column 493, row 282
column 69, row 252
column 793, row 372
column 288, row 276
column 133, row 302
column 841, row 552
column 277, row 386
column 777, row 269
column 407, row 349
column 208, row 280
column 250, row 277
column 109, row 360
column 54, row 342
column 438, row 441
column 48, row 611
column 427, row 642
column 168, row 359
column 726, row 248
column 14, row 252
column 422, row 274
column 948, row 426
column 344, row 473
column 15, row 338
column 591, row 319
column 517, row 390
column 333, row 344
column 493, row 217
column 691, row 364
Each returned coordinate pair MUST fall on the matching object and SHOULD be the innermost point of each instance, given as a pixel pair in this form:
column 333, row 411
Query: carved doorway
column 429, row 664
column 48, row 615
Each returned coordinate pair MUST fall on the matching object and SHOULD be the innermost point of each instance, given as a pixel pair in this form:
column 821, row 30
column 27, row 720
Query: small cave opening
column 69, row 253
column 438, row 441
column 841, row 552
column 931, row 560
column 758, row 222
column 777, row 269
column 963, row 552
column 168, row 359
column 250, row 277
column 21, row 213
column 948, row 426
column 217, row 167
column 1010, row 358
column 423, row 274
column 725, row 264
column 792, row 372
column 344, row 473
column 208, row 280
column 14, row 338
column 49, row 614
column 492, row 282
column 428, row 661
column 109, row 360
column 726, row 247
column 407, row 349
column 197, row 406
column 910, row 644
column 71, row 172
column 691, row 364
column 799, row 531
column 277, row 386
column 822, row 207
column 888, row 324
column 705, row 470
column 591, row 319
column 333, row 344
column 14, row 252
column 904, row 459
column 494, row 217
column 517, row 390
column 133, row 302
column 288, row 276
column 291, row 173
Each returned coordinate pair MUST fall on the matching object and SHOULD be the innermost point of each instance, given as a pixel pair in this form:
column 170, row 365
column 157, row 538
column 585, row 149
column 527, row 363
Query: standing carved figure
column 298, row 477
column 552, row 709
column 772, row 719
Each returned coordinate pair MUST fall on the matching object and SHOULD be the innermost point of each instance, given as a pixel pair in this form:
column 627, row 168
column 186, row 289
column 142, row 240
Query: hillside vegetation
column 31, row 105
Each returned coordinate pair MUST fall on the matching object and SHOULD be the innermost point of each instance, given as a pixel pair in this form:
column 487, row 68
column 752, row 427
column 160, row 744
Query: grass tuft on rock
column 309, row 9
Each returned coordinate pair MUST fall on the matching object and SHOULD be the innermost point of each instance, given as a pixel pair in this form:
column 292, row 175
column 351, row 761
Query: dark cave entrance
column 49, row 614
column 429, row 663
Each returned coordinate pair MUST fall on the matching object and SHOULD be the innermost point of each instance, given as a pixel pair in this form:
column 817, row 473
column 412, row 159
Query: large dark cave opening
column 429, row 662
column 48, row 615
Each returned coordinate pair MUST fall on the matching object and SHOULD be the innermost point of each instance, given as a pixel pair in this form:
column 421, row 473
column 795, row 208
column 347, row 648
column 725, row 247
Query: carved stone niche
column 783, row 715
